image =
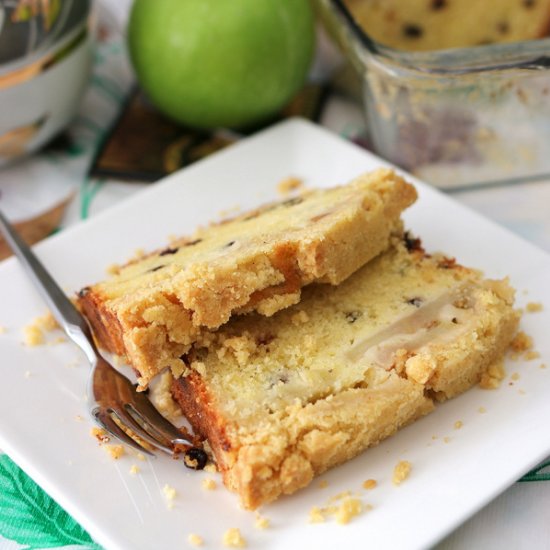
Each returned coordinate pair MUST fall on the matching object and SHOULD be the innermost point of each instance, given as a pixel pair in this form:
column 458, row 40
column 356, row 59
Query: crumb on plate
column 100, row 434
column 369, row 484
column 533, row 307
column 208, row 483
column 287, row 185
column 34, row 332
column 195, row 540
column 170, row 493
column 316, row 515
column 134, row 469
column 46, row 322
column 115, row 451
column 33, row 336
column 210, row 468
column 261, row 522
column 401, row 472
column 232, row 538
column 458, row 424
column 348, row 509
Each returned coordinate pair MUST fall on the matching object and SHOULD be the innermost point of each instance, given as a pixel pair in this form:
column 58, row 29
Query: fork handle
column 65, row 313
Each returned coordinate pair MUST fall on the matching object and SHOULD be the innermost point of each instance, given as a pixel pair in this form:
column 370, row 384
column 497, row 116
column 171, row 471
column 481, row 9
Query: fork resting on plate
column 114, row 402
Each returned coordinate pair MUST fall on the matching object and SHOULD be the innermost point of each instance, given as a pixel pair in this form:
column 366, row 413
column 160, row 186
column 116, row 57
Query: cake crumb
column 515, row 376
column 482, row 410
column 458, row 424
column 195, row 540
column 141, row 456
column 139, row 253
column 100, row 434
column 134, row 469
column 316, row 515
column 34, row 332
column 208, row 483
column 58, row 340
column 493, row 376
column 533, row 307
column 350, row 508
column 287, row 185
column 113, row 269
column 46, row 322
column 446, row 440
column 542, row 366
column 3, row 329
column 78, row 418
column 369, row 484
column 116, row 451
column 170, row 493
column 521, row 342
column 323, row 484
column 530, row 355
column 261, row 522
column 232, row 538
column 33, row 336
column 401, row 472
column 210, row 468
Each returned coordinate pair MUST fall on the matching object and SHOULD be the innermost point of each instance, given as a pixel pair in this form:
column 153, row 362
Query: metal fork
column 114, row 402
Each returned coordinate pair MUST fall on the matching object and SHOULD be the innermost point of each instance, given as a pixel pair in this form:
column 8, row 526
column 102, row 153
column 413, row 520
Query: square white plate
column 455, row 472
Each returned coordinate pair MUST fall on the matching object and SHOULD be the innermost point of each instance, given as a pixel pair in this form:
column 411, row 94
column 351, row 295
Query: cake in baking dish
column 284, row 398
column 155, row 308
column 417, row 25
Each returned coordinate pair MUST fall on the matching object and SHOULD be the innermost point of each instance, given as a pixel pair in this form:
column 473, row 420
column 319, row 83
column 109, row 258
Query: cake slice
column 282, row 399
column 155, row 308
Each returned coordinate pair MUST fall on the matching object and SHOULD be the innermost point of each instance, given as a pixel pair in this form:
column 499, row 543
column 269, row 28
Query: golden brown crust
column 193, row 397
column 105, row 325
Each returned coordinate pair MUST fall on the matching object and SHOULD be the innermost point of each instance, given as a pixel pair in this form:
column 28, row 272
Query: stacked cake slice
column 154, row 309
column 301, row 334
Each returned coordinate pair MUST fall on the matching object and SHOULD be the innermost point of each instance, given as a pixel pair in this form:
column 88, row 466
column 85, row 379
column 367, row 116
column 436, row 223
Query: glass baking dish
column 460, row 117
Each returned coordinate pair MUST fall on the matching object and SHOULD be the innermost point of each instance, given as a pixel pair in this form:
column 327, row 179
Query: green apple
column 232, row 63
